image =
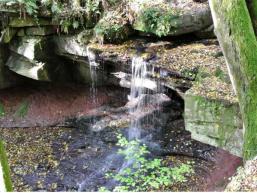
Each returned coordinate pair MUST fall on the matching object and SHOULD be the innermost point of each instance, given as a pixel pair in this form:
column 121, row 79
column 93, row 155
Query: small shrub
column 158, row 20
column 144, row 174
column 30, row 6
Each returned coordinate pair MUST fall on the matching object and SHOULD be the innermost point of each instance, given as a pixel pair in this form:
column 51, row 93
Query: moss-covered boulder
column 214, row 122
column 171, row 18
column 212, row 112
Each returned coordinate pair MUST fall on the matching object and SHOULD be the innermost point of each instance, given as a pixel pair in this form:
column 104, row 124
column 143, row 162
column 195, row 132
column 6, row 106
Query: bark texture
column 234, row 29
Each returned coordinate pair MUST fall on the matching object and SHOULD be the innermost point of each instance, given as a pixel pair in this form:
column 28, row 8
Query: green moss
column 157, row 21
column 247, row 45
column 242, row 64
column 217, row 120
column 28, row 22
column 2, row 111
column 252, row 6
column 5, row 168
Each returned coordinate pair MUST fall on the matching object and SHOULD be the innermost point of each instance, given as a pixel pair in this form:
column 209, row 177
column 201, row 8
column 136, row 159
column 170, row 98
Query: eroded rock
column 33, row 57
column 7, row 78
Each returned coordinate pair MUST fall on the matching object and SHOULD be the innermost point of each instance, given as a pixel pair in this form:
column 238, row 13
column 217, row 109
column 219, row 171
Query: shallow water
column 76, row 157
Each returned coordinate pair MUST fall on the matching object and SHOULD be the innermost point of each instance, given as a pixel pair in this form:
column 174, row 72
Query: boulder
column 214, row 122
column 7, row 78
column 212, row 112
column 32, row 47
column 33, row 57
column 73, row 44
column 7, row 34
column 28, row 68
column 206, row 33
column 174, row 18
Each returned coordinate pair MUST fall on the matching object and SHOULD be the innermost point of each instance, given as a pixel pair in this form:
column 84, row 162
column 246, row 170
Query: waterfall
column 140, row 100
column 141, row 70
column 139, row 74
column 93, row 74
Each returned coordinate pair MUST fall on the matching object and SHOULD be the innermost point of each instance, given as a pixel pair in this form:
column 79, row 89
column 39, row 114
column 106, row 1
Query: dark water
column 77, row 156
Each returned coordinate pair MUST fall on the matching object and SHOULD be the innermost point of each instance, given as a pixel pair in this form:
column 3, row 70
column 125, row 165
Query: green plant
column 30, row 6
column 93, row 6
column 158, row 20
column 144, row 174
column 22, row 109
column 5, row 179
column 2, row 111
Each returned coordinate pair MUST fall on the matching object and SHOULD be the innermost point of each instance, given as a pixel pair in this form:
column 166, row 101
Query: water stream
column 139, row 74
column 138, row 99
column 93, row 65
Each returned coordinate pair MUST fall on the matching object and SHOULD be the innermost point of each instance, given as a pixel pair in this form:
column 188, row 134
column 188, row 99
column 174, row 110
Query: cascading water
column 139, row 71
column 139, row 75
column 138, row 101
column 93, row 74
column 138, row 98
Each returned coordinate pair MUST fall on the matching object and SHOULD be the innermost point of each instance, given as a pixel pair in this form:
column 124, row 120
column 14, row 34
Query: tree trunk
column 234, row 30
column 5, row 179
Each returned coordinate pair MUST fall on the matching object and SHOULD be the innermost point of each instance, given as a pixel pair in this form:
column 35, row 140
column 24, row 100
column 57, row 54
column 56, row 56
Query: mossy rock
column 8, row 34
column 170, row 19
column 85, row 36
column 30, row 22
column 215, row 122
